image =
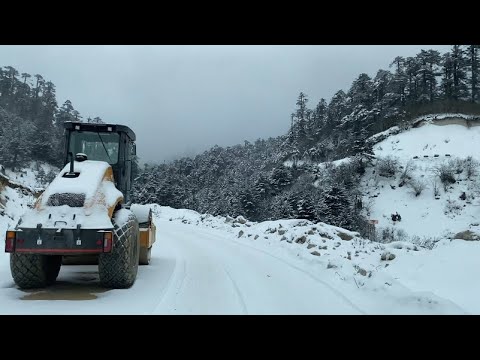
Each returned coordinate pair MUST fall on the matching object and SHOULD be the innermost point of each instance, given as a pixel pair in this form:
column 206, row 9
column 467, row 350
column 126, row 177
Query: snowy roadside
column 379, row 278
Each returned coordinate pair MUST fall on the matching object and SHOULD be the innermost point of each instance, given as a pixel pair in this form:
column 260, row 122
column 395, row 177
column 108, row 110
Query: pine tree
column 399, row 79
column 279, row 178
column 447, row 76
column 337, row 204
column 319, row 116
column 337, row 109
column 361, row 92
column 474, row 68
column 429, row 62
column 412, row 67
column 299, row 128
column 65, row 113
column 459, row 62
column 25, row 76
column 305, row 209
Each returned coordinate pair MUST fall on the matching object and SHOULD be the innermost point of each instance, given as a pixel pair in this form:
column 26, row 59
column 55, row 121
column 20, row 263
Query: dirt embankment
column 450, row 121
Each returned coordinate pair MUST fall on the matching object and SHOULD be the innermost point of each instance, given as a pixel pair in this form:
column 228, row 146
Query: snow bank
column 384, row 134
column 340, row 258
column 335, row 162
column 449, row 271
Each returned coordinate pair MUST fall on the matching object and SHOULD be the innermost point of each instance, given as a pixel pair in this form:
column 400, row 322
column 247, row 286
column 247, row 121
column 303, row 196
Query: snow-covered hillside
column 35, row 176
column 438, row 211
column 14, row 202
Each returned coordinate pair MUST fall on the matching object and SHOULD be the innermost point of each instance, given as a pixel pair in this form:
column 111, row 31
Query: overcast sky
column 181, row 100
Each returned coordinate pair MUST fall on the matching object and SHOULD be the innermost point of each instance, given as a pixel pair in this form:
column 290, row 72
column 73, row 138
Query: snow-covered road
column 217, row 276
column 193, row 271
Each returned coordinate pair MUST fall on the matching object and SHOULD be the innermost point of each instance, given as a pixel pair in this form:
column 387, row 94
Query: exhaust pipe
column 71, row 173
column 71, row 162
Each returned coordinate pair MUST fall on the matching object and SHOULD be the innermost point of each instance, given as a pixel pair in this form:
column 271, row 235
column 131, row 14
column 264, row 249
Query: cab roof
column 71, row 125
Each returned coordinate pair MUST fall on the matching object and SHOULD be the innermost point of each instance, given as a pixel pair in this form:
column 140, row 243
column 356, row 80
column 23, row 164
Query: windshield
column 90, row 143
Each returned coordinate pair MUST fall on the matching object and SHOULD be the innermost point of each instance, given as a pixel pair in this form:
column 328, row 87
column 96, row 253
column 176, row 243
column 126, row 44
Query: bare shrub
column 401, row 235
column 471, row 167
column 446, row 173
column 457, row 165
column 417, row 186
column 453, row 207
column 390, row 234
column 386, row 235
column 387, row 166
column 406, row 173
column 367, row 207
column 436, row 188
column 425, row 242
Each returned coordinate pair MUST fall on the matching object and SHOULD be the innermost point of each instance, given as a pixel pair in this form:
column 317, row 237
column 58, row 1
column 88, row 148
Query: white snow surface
column 142, row 212
column 88, row 181
column 432, row 139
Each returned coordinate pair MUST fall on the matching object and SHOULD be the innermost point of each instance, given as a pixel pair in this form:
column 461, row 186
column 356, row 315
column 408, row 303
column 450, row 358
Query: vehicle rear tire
column 145, row 255
column 32, row 271
column 118, row 269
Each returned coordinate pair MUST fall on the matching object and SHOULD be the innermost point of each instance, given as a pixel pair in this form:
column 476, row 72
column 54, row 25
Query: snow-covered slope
column 15, row 202
column 426, row 149
column 36, row 175
column 431, row 139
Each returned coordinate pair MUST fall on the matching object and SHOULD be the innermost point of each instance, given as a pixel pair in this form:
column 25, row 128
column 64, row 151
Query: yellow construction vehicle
column 85, row 211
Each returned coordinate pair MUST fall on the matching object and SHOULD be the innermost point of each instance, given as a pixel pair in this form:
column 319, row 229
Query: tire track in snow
column 196, row 259
column 182, row 274
column 222, row 275
column 238, row 292
column 337, row 292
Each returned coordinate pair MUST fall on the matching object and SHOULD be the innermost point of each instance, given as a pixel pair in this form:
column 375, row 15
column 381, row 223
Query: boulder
column 467, row 235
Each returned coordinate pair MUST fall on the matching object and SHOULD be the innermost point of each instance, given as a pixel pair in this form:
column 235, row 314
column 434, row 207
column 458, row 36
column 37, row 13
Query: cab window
column 97, row 146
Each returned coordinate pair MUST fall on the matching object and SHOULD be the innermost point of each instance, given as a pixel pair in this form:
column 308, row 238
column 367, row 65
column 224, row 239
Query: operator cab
column 114, row 144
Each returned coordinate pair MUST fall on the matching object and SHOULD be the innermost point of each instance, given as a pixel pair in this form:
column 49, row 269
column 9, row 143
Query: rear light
column 10, row 241
column 107, row 241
